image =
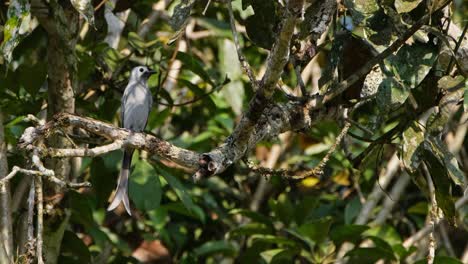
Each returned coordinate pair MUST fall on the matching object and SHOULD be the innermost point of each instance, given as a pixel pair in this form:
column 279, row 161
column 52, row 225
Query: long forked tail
column 121, row 193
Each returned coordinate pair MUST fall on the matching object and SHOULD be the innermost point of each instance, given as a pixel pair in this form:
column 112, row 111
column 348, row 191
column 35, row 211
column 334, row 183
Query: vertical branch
column 6, row 229
column 433, row 218
column 242, row 59
column 61, row 25
column 40, row 214
column 30, row 218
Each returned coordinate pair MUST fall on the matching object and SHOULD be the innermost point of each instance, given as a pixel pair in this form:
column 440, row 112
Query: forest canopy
column 282, row 131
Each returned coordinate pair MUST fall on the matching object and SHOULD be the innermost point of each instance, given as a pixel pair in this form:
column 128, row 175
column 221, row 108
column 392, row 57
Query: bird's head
column 141, row 73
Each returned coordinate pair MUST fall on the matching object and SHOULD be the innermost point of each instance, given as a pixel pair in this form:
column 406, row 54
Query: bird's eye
column 141, row 69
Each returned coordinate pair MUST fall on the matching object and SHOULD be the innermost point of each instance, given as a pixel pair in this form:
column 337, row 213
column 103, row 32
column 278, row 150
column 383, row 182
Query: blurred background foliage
column 201, row 91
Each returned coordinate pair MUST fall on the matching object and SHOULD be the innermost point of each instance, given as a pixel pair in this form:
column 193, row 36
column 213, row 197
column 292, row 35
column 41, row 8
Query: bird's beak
column 149, row 73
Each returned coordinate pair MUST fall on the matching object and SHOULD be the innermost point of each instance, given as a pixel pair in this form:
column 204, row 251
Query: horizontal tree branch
column 278, row 118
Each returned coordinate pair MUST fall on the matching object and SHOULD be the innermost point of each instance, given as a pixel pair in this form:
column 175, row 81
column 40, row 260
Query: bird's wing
column 124, row 102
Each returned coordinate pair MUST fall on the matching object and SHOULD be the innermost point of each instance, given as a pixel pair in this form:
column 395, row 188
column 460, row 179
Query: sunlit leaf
column 412, row 63
column 19, row 24
column 405, row 6
column 445, row 157
column 85, row 8
column 440, row 178
column 410, row 153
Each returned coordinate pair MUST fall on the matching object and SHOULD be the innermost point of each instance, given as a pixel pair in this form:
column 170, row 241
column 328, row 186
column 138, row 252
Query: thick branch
column 6, row 229
column 120, row 136
column 246, row 131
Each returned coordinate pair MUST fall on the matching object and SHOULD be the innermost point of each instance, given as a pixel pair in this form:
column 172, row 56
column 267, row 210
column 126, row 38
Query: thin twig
column 446, row 239
column 40, row 223
column 99, row 5
column 84, row 152
column 300, row 82
column 391, row 200
column 360, row 127
column 293, row 175
column 10, row 175
column 457, row 46
column 50, row 173
column 206, row 7
column 245, row 64
column 318, row 170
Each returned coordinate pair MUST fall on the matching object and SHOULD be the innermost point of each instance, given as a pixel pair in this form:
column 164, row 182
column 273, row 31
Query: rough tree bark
column 61, row 23
column 6, row 232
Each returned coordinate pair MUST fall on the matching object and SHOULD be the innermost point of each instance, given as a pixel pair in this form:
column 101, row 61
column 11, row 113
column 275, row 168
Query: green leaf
column 252, row 229
column 261, row 25
column 195, row 65
column 283, row 208
column 32, row 77
column 361, row 9
column 391, row 94
column 445, row 157
column 233, row 92
column 101, row 175
column 441, row 260
column 412, row 63
column 215, row 247
column 182, row 193
column 159, row 217
column 19, row 24
column 440, row 177
column 136, row 41
column 278, row 255
column 305, row 207
column 180, row 18
column 112, row 58
column 272, row 239
column 350, row 233
column 81, row 209
column 85, row 8
column 369, row 255
column 255, row 216
column 413, row 137
column 352, row 210
column 380, row 243
column 316, row 230
column 385, row 232
column 145, row 187
column 405, row 6
column 448, row 104
column 402, row 252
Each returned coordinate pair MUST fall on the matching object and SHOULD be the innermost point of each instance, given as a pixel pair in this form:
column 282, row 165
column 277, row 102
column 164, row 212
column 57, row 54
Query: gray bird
column 136, row 106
